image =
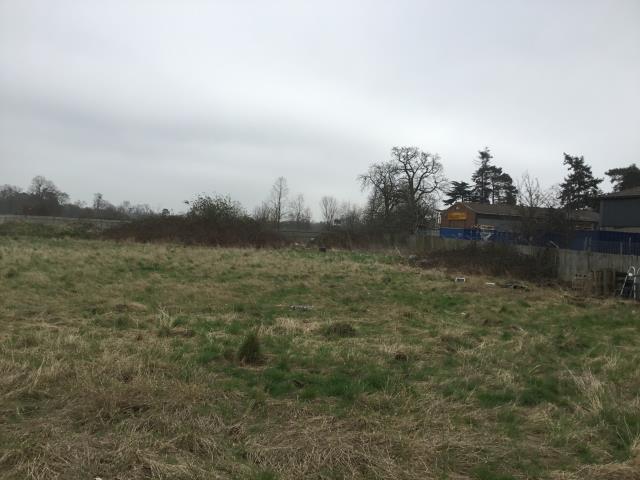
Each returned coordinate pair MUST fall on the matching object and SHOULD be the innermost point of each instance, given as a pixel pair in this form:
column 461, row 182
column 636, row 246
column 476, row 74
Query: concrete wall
column 426, row 244
column 576, row 262
column 98, row 222
column 569, row 262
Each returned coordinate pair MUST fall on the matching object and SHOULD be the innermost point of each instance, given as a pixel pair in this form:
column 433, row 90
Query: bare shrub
column 496, row 260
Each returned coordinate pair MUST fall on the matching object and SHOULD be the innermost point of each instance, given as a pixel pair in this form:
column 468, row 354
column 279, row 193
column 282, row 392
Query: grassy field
column 123, row 361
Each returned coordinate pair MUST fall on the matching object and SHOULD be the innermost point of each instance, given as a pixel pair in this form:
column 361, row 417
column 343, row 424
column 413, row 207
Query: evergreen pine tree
column 459, row 192
column 625, row 177
column 580, row 188
column 481, row 177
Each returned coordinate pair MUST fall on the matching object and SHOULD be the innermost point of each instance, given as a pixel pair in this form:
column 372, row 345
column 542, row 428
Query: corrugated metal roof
column 628, row 193
column 503, row 210
column 496, row 209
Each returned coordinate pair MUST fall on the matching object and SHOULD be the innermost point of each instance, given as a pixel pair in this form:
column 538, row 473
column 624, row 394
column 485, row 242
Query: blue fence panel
column 620, row 243
column 602, row 241
column 459, row 233
column 619, row 248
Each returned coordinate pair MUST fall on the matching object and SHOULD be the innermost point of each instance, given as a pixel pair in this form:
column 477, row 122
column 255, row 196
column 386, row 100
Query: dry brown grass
column 119, row 361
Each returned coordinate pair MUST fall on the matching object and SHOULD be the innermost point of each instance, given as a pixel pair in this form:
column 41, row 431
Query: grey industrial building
column 620, row 211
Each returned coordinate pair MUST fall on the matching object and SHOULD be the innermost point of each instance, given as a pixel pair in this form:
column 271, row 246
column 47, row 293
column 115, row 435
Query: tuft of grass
column 11, row 273
column 546, row 388
column 207, row 353
column 265, row 475
column 622, row 429
column 340, row 330
column 486, row 473
column 494, row 397
column 250, row 350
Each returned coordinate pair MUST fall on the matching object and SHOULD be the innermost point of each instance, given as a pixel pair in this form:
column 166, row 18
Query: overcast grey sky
column 155, row 101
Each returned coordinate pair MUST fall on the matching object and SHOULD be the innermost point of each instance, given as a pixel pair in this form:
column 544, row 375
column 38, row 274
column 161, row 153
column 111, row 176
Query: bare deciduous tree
column 381, row 177
column 7, row 191
column 46, row 190
column 328, row 209
column 350, row 216
column 47, row 198
column 552, row 196
column 530, row 198
column 530, row 194
column 98, row 202
column 420, row 172
column 262, row 213
column 279, row 192
column 405, row 189
column 298, row 211
column 539, row 211
column 420, row 178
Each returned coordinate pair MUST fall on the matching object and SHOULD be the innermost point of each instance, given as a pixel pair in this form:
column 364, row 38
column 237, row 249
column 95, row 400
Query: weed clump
column 340, row 330
column 401, row 357
column 250, row 351
column 11, row 273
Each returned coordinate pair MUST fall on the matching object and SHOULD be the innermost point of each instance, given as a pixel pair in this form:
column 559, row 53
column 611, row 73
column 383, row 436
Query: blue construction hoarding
column 602, row 241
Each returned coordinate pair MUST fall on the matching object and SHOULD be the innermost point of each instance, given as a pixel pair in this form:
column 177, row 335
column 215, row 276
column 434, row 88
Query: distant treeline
column 44, row 198
column 405, row 194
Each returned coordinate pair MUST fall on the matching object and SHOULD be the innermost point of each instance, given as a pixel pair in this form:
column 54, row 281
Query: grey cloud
column 156, row 101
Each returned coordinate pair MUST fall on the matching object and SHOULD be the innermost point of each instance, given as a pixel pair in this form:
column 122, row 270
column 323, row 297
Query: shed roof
column 628, row 193
column 503, row 210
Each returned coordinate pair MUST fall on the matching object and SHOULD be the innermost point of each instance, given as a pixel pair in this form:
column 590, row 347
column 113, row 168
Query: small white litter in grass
column 301, row 307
